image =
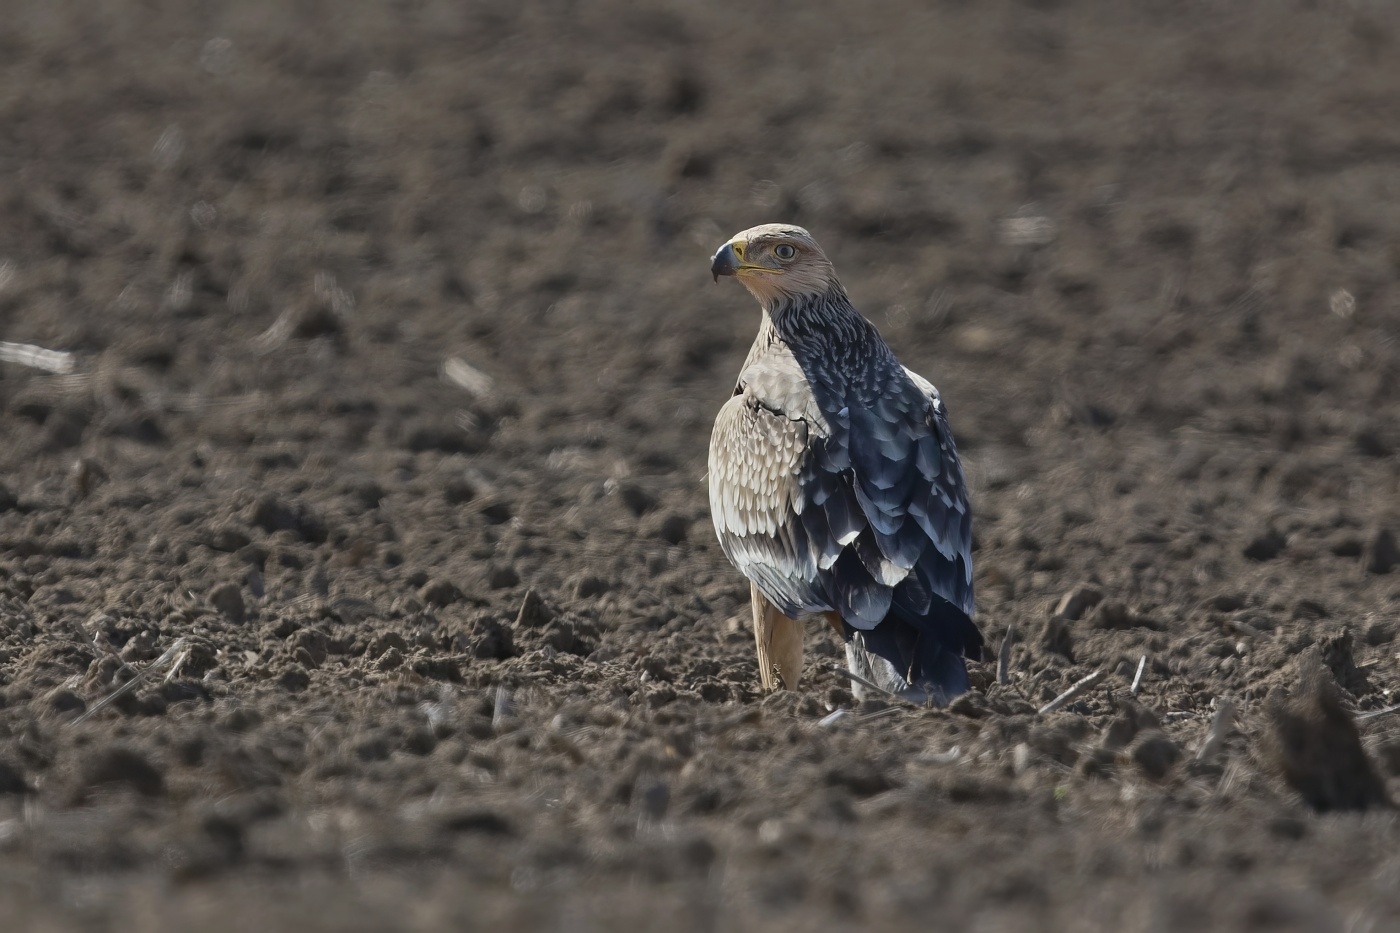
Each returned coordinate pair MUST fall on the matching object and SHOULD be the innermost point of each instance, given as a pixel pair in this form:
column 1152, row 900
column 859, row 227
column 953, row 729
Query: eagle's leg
column 779, row 643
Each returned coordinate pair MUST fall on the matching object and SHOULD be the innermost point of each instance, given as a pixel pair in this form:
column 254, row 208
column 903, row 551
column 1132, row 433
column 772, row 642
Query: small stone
column 440, row 593
column 227, row 538
column 1111, row 614
column 671, row 528
column 1288, row 827
column 533, row 612
column 1336, row 651
column 295, row 679
column 1055, row 638
column 497, row 513
column 502, row 577
column 1225, row 602
column 1346, row 544
column 637, row 500
column 655, row 668
column 660, row 696
column 1119, row 732
column 366, row 492
column 1389, row 754
column 314, row 644
column 1078, row 601
column 1382, row 553
column 227, row 598
column 1097, row 762
column 1372, row 443
column 120, row 766
column 590, row 585
column 1124, row 727
column 655, row 799
column 490, row 640
column 1266, row 546
column 272, row 514
column 476, row 820
column 1380, row 632
column 12, row 780
column 386, row 641
column 242, row 719
column 292, row 559
column 436, row 668
column 64, row 700
column 858, row 776
column 442, row 434
column 458, row 491
column 1313, row 742
column 419, row 740
column 1154, row 754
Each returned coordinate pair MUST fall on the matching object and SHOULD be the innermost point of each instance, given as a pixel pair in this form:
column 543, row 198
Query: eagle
column 835, row 486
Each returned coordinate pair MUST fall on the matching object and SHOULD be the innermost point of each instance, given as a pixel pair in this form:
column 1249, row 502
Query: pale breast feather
column 755, row 456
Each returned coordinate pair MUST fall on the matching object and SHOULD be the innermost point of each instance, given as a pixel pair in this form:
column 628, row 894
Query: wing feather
column 833, row 505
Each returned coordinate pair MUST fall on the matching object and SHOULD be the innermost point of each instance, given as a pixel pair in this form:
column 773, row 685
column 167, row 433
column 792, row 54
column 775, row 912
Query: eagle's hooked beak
column 728, row 260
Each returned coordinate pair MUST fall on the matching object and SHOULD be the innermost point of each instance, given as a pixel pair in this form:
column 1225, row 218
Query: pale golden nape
column 776, row 262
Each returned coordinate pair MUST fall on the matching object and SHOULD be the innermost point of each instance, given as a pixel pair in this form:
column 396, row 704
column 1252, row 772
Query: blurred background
column 392, row 360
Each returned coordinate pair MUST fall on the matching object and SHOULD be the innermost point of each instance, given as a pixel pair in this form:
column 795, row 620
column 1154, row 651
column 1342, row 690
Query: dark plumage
column 835, row 485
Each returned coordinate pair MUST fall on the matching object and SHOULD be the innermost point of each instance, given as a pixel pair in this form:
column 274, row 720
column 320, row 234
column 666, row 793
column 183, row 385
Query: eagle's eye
column 784, row 251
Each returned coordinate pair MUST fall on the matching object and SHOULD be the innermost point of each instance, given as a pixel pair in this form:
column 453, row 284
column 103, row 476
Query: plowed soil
column 378, row 474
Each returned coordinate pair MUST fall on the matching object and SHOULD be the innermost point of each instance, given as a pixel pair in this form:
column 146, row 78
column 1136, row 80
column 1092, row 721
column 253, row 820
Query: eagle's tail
column 920, row 659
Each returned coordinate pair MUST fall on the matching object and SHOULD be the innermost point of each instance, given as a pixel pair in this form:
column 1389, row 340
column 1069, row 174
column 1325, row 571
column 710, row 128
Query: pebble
column 227, row 598
column 1382, row 554
column 1074, row 604
column 533, row 611
column 116, row 765
column 12, row 780
column 1313, row 743
column 671, row 528
column 440, row 593
column 502, row 577
column 1154, row 754
column 1266, row 546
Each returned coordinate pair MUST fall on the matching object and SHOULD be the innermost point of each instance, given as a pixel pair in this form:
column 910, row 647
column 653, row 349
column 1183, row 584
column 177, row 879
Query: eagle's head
column 776, row 263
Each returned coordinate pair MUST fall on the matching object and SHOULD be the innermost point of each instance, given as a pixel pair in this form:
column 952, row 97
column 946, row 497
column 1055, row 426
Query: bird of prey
column 835, row 486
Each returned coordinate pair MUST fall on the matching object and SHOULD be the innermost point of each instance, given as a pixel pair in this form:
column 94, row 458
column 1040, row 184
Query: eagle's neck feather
column 829, row 339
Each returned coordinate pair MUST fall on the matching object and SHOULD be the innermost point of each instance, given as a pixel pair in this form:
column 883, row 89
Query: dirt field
column 396, row 359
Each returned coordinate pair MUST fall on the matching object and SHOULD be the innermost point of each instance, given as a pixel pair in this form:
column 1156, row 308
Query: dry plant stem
column 1377, row 713
column 866, row 683
column 169, row 655
column 1137, row 678
column 1220, row 728
column 23, row 354
column 1004, row 656
column 1080, row 685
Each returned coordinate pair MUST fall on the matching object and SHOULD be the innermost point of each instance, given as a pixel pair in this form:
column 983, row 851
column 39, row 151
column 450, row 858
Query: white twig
column 503, row 708
column 869, row 685
column 1377, row 713
column 169, row 655
column 1080, row 685
column 468, row 378
column 50, row 361
column 1004, row 656
column 1137, row 678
